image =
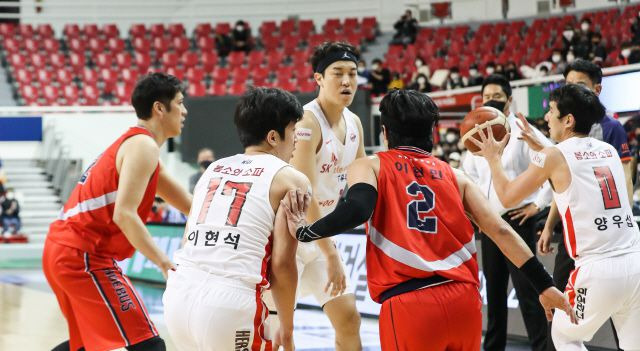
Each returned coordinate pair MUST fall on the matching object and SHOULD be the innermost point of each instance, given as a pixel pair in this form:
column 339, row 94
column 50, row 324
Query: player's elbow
column 121, row 217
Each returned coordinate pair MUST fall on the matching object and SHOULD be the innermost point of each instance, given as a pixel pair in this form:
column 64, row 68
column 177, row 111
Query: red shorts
column 102, row 309
column 442, row 317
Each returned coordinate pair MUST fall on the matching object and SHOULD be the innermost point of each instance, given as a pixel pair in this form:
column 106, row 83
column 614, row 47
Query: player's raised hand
column 553, row 298
column 527, row 133
column 489, row 146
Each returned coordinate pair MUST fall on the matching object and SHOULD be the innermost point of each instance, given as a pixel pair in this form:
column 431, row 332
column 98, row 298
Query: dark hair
column 497, row 79
column 409, row 107
column 154, row 87
column 582, row 103
column 587, row 67
column 261, row 110
column 377, row 60
column 321, row 51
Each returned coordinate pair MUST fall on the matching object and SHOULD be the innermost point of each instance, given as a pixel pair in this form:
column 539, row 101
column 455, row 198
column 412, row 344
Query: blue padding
column 20, row 128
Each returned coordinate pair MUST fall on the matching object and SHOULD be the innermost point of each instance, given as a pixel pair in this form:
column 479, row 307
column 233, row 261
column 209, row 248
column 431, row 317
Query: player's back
column 595, row 209
column 86, row 219
column 229, row 230
column 419, row 228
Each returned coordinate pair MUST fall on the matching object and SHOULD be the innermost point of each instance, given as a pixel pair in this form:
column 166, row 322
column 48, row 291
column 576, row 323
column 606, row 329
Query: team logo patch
column 303, row 133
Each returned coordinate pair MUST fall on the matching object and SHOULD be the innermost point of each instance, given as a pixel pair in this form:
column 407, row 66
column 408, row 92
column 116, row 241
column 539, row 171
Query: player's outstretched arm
column 511, row 245
column 172, row 192
column 355, row 208
column 136, row 162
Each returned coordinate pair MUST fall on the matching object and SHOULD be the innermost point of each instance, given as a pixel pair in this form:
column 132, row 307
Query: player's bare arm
column 136, row 161
column 511, row 244
column 544, row 243
column 308, row 142
column 172, row 192
column 361, row 152
column 284, row 272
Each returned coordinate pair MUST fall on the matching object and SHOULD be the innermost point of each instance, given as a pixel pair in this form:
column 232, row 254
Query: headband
column 333, row 57
column 414, row 129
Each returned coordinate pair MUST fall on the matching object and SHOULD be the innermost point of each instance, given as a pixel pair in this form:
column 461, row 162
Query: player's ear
column 158, row 107
column 272, row 137
column 318, row 77
column 570, row 121
column 597, row 89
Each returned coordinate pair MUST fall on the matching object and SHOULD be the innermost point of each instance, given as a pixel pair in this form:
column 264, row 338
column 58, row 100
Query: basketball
column 483, row 116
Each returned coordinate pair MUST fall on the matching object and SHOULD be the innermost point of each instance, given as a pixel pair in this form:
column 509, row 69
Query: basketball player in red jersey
column 421, row 255
column 102, row 221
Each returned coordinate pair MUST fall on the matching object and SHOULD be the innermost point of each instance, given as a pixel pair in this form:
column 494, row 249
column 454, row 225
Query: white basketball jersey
column 333, row 157
column 595, row 209
column 229, row 230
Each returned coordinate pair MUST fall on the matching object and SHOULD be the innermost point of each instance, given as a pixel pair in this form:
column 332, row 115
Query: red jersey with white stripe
column 229, row 230
column 595, row 207
column 86, row 220
column 419, row 227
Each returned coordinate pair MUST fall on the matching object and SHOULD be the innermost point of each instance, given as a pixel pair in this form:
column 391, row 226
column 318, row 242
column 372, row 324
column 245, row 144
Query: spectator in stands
column 490, row 68
column 499, row 69
column 224, row 44
column 421, row 84
column 241, row 36
column 582, row 47
column 571, row 56
column 598, row 52
column 475, row 78
column 206, row 157
column 396, row 81
column 559, row 64
column 543, row 70
column 380, row 78
column 635, row 30
column 455, row 80
column 10, row 214
column 364, row 75
column 420, row 68
column 406, row 29
column 454, row 159
column 585, row 28
column 569, row 37
column 511, row 72
column 3, row 179
column 629, row 53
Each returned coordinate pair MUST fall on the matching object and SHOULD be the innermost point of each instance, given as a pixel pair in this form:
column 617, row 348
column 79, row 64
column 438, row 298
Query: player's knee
column 154, row 344
column 349, row 322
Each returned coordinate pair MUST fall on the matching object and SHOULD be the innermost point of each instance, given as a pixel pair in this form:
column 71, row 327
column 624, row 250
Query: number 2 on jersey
column 239, row 191
column 607, row 187
column 428, row 224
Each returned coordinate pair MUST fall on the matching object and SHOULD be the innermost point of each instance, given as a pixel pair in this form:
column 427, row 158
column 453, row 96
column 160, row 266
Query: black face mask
column 154, row 208
column 205, row 164
column 500, row 105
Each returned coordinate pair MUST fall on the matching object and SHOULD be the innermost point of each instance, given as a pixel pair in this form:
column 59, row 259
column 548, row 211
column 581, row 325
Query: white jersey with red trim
column 229, row 230
column 595, row 209
column 333, row 158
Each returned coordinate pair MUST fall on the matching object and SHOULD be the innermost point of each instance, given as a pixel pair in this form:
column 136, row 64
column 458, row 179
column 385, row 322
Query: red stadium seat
column 307, row 86
column 43, row 77
column 123, row 59
column 169, row 59
column 38, row 61
column 89, row 76
column 205, row 44
column 157, row 30
column 103, row 60
column 70, row 94
column 96, row 45
column 331, row 25
column 12, row 45
column 238, row 89
column 255, row 59
column 176, row 72
column 274, row 59
column 287, row 85
column 44, row 31
column 287, row 26
column 90, row 95
column 218, row 89
column 270, row 43
column 50, row 94
column 260, row 73
column 350, row 23
column 25, row 30
column 220, row 75
column 236, row 58
column 91, row 30
column 284, row 73
column 209, row 60
column 22, row 76
column 223, row 28
column 51, row 45
column 76, row 45
column 189, row 59
column 31, row 45
column 111, row 30
column 71, row 30
column 17, row 61
column 176, row 30
column 203, row 30
column 180, row 44
column 129, row 76
column 57, row 60
column 195, row 74
column 240, row 75
column 305, row 28
column 29, row 94
column 196, row 89
column 124, row 91
column 160, row 46
column 268, row 27
column 7, row 30
column 64, row 77
column 115, row 45
column 138, row 31
column 290, row 44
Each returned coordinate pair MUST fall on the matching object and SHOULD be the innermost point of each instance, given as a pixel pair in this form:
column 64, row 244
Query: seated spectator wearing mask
column 455, row 80
column 380, row 78
column 421, row 84
column 206, row 157
column 420, row 68
column 598, row 52
column 635, row 30
column 241, row 36
column 364, row 75
column 475, row 78
column 490, row 68
column 512, row 72
column 569, row 37
column 11, row 223
column 559, row 64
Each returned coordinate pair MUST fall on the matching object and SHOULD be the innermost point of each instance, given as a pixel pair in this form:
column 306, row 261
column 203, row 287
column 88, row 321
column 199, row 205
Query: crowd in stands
column 10, row 223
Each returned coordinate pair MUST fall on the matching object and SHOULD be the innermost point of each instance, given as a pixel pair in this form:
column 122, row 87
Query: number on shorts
column 239, row 191
column 415, row 208
column 607, row 187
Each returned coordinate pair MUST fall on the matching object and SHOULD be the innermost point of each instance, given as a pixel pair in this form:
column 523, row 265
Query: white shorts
column 608, row 288
column 312, row 275
column 206, row 312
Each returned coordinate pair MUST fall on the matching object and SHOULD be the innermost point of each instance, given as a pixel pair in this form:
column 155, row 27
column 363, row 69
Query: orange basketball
column 483, row 116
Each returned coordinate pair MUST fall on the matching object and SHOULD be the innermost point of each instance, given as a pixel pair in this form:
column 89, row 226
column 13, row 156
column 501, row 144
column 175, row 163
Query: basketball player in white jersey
column 601, row 234
column 329, row 138
column 236, row 234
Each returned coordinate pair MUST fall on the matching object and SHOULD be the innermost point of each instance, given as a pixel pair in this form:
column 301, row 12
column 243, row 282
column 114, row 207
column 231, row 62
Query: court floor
column 30, row 318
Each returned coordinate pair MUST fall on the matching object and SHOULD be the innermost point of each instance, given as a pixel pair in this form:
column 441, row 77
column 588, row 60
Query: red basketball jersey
column 86, row 220
column 419, row 227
